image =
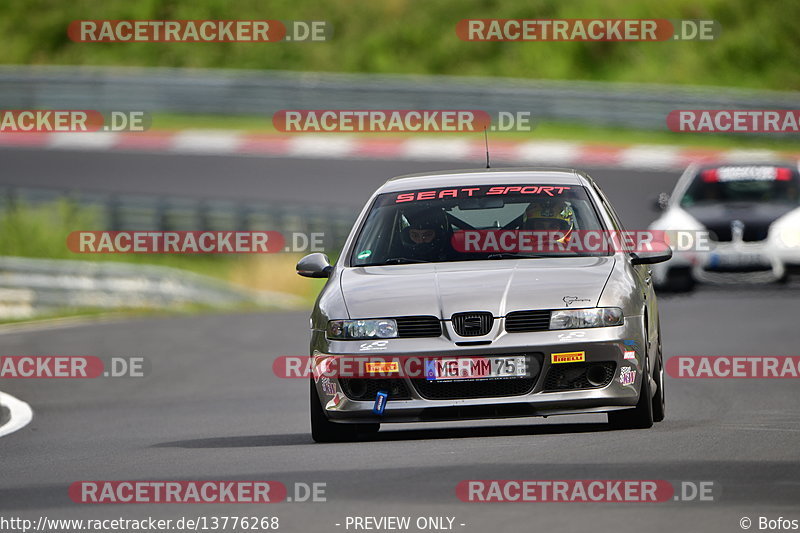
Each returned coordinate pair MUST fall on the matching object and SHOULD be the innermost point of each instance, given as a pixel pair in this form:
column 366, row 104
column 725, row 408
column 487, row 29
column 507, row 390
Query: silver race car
column 485, row 294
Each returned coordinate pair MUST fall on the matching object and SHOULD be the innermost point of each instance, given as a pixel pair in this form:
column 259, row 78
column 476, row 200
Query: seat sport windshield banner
column 477, row 192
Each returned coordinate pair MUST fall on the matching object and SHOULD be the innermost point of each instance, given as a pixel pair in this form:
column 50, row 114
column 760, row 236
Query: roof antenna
column 486, row 140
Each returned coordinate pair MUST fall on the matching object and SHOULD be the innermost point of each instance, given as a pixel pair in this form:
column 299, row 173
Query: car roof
column 486, row 176
column 721, row 164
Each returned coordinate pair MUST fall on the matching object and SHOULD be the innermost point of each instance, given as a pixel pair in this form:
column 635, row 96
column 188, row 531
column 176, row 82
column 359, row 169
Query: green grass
column 91, row 313
column 542, row 131
column 41, row 231
column 758, row 47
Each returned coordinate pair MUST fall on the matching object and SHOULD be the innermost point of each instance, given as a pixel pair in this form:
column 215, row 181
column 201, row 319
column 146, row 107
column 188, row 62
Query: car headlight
column 597, row 317
column 383, row 328
column 790, row 237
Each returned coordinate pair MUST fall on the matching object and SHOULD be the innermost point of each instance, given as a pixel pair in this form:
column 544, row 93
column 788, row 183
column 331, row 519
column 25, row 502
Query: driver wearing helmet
column 426, row 237
column 552, row 215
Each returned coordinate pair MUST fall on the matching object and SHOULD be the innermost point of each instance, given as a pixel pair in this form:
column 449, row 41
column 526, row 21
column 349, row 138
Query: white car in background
column 750, row 215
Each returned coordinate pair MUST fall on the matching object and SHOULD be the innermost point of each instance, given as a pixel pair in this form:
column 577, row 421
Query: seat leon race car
column 485, row 294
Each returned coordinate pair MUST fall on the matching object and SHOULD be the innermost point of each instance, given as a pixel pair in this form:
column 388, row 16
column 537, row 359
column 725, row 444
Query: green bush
column 758, row 46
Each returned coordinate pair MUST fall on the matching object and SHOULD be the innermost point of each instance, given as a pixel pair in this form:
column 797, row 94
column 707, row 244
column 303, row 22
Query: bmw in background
column 751, row 213
column 543, row 334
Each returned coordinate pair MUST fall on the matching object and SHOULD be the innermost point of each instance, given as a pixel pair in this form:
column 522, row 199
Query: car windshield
column 743, row 184
column 466, row 223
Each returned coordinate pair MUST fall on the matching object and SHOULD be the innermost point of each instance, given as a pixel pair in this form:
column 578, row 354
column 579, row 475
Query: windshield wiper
column 507, row 255
column 400, row 260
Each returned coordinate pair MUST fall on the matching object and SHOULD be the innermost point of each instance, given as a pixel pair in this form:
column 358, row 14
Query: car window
column 433, row 225
column 615, row 221
column 743, row 184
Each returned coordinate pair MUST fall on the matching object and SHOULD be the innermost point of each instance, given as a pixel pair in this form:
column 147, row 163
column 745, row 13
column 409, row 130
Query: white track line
column 548, row 152
column 436, row 149
column 21, row 414
column 212, row 142
column 89, row 140
column 335, row 147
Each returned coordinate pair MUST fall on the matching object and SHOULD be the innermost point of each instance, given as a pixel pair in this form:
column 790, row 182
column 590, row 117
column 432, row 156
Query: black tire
column 323, row 430
column 678, row 280
column 659, row 399
column 641, row 416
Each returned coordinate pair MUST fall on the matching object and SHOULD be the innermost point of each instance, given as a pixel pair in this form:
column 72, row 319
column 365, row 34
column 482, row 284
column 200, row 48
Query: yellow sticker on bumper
column 568, row 357
column 383, row 368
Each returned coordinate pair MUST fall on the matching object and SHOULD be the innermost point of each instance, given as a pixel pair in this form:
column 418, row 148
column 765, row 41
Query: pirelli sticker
column 568, row 357
column 383, row 367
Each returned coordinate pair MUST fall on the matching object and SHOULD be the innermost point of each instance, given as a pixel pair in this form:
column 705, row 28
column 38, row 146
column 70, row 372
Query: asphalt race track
column 212, row 409
column 312, row 181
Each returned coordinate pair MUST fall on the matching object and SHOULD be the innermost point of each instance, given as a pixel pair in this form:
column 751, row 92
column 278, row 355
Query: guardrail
column 242, row 92
column 29, row 287
column 115, row 212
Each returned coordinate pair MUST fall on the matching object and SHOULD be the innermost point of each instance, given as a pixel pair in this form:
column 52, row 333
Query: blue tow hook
column 380, row 402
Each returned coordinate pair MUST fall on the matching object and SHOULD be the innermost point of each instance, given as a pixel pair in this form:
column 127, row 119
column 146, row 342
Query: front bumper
column 733, row 262
column 753, row 262
column 600, row 345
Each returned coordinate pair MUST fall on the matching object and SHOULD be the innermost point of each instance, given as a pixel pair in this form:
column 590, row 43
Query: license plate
column 737, row 259
column 476, row 368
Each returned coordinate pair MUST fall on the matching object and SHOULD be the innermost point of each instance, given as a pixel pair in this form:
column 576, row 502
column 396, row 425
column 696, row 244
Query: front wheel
column 659, row 399
column 323, row 430
column 641, row 416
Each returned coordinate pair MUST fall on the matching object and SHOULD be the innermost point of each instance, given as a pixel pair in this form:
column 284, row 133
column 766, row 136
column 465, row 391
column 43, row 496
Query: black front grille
column 738, row 269
column 361, row 389
column 720, row 232
column 418, row 326
column 572, row 376
column 472, row 324
column 755, row 232
column 752, row 232
column 482, row 388
column 520, row 321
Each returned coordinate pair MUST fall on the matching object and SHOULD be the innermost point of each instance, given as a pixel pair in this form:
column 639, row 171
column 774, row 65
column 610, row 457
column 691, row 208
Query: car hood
column 498, row 286
column 720, row 214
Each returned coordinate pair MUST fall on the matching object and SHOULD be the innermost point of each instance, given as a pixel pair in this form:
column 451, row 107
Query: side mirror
column 314, row 266
column 661, row 201
column 649, row 258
